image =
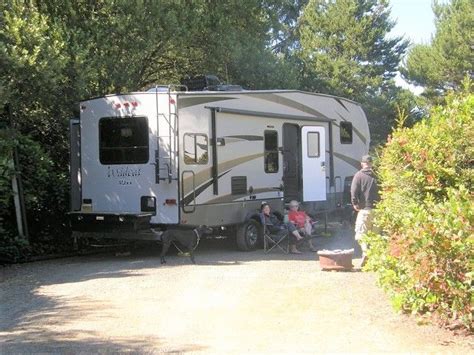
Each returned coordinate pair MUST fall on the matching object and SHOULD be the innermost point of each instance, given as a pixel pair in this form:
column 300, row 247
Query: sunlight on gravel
column 230, row 302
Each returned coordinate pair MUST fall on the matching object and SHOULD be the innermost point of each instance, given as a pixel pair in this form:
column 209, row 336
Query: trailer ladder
column 166, row 151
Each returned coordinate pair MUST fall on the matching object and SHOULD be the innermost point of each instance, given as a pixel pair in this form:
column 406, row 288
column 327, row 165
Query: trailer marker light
column 117, row 105
column 172, row 102
column 126, row 104
column 134, row 103
column 170, row 201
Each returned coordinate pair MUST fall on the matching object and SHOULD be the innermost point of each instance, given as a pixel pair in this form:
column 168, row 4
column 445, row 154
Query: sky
column 415, row 21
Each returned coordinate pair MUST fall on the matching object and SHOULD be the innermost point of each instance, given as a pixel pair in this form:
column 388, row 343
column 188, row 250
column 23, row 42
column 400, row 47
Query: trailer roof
column 203, row 93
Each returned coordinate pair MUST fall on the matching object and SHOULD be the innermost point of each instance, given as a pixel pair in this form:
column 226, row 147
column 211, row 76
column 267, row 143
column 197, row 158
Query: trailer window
column 123, row 140
column 271, row 151
column 195, row 149
column 346, row 132
column 313, row 145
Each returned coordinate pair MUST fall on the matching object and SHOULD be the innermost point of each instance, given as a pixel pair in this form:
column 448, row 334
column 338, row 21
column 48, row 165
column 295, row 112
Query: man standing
column 364, row 195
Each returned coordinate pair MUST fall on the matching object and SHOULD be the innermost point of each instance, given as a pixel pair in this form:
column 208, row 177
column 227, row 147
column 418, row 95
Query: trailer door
column 313, row 145
column 291, row 162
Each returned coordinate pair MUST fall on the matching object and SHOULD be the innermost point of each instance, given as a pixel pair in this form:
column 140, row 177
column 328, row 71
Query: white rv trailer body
column 113, row 182
column 211, row 158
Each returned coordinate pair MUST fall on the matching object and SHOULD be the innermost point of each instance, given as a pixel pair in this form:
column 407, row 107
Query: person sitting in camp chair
column 304, row 223
column 275, row 226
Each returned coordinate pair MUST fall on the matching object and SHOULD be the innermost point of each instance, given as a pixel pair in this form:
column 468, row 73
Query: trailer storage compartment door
column 313, row 145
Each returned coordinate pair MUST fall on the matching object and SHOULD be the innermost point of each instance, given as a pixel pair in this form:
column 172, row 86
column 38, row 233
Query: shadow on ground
column 223, row 251
column 54, row 343
column 23, row 305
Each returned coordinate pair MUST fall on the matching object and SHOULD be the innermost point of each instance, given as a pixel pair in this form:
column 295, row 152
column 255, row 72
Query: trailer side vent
column 239, row 185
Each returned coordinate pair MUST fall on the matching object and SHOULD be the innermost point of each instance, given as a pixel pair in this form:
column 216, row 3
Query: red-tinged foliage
column 424, row 255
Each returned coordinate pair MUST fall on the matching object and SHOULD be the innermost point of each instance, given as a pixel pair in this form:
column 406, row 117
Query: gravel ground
column 230, row 302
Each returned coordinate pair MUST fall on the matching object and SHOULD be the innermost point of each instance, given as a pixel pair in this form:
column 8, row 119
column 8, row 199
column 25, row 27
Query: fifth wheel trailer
column 146, row 161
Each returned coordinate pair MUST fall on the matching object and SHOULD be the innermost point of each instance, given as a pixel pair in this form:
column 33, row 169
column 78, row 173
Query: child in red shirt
column 301, row 220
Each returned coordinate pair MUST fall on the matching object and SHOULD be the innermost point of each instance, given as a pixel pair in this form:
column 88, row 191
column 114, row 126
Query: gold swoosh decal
column 204, row 175
column 231, row 198
column 290, row 103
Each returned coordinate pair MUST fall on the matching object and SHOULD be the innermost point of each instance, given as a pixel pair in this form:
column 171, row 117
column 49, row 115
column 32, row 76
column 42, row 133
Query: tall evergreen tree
column 443, row 64
column 345, row 49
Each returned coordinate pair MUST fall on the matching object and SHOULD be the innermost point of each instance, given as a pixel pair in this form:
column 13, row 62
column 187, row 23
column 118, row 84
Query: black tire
column 248, row 235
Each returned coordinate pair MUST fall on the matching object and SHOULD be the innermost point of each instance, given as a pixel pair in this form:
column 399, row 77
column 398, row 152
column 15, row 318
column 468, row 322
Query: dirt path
column 231, row 302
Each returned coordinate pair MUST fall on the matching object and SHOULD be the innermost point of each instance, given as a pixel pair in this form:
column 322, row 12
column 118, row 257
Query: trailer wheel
column 248, row 235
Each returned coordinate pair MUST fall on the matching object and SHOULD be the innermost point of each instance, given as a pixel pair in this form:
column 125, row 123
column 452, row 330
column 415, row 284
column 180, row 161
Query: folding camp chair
column 280, row 240
column 307, row 237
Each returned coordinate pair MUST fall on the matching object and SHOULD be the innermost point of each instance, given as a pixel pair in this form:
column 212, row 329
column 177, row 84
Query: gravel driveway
column 230, row 302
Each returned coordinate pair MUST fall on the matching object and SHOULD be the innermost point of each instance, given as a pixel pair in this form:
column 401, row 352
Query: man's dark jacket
column 364, row 189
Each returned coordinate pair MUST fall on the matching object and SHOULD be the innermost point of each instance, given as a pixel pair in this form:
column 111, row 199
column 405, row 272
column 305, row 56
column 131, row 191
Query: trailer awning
column 269, row 114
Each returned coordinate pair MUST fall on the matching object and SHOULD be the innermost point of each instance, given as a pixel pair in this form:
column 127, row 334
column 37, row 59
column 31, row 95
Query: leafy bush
column 46, row 197
column 425, row 255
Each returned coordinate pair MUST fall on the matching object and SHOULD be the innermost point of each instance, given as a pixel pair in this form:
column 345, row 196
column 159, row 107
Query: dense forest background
column 54, row 53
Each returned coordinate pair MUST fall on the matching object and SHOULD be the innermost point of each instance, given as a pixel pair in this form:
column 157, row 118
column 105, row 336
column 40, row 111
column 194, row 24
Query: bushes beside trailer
column 424, row 256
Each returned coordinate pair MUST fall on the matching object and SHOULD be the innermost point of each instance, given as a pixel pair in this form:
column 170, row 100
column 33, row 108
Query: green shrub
column 425, row 256
column 46, row 199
